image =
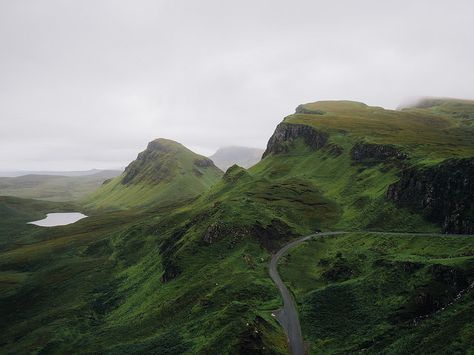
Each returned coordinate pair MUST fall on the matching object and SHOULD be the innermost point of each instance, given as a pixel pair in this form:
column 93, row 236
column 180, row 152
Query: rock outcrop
column 444, row 194
column 235, row 173
column 286, row 134
column 376, row 153
column 151, row 156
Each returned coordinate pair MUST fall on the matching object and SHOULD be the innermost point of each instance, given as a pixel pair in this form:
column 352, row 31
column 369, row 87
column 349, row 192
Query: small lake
column 59, row 219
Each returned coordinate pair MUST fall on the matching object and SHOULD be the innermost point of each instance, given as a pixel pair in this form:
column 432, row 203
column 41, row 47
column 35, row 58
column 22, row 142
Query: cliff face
column 364, row 152
column 443, row 193
column 286, row 133
column 162, row 170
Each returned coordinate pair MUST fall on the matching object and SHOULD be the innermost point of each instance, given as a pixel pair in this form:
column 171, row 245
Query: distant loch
column 59, row 219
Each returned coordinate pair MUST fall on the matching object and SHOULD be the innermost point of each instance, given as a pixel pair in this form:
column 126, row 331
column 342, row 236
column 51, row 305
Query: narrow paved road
column 288, row 316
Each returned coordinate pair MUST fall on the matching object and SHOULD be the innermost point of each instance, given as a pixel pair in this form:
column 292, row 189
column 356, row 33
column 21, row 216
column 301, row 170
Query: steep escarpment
column 366, row 152
column 286, row 134
column 165, row 172
column 443, row 193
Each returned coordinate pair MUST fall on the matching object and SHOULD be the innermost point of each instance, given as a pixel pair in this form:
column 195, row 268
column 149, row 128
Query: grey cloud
column 89, row 83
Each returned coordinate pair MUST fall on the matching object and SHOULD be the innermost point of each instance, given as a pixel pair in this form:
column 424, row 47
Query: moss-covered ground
column 375, row 293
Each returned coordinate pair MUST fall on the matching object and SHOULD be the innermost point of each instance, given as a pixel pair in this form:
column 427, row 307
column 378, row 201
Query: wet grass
column 363, row 292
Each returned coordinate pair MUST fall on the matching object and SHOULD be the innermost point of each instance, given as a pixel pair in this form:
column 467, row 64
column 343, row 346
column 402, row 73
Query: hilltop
column 164, row 172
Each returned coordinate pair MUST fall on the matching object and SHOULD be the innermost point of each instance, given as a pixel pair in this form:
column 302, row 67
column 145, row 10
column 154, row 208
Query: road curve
column 288, row 316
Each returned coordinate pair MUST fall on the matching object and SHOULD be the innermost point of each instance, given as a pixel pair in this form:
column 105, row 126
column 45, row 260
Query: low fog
column 86, row 84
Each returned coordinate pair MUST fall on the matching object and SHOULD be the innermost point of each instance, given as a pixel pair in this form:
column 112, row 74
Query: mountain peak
column 164, row 144
column 165, row 171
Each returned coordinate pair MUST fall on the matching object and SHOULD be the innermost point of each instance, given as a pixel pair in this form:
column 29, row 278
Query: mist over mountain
column 61, row 173
column 350, row 232
column 55, row 186
column 243, row 156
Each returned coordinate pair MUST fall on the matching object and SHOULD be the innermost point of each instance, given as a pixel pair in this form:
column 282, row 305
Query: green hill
column 192, row 276
column 164, row 173
column 360, row 156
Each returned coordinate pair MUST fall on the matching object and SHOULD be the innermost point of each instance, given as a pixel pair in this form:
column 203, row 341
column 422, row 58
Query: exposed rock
column 404, row 266
column 301, row 109
column 220, row 230
column 235, row 173
column 445, row 284
column 334, row 150
column 272, row 236
column 254, row 340
column 340, row 271
column 162, row 171
column 197, row 172
column 285, row 135
column 107, row 181
column 269, row 236
column 454, row 277
column 444, row 194
column 368, row 152
column 203, row 162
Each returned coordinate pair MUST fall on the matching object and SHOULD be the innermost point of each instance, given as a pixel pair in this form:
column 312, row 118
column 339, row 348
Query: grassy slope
column 179, row 179
column 53, row 188
column 371, row 292
column 104, row 290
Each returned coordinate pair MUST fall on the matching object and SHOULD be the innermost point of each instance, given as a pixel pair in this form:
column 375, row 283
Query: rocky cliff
column 367, row 152
column 286, row 134
column 444, row 194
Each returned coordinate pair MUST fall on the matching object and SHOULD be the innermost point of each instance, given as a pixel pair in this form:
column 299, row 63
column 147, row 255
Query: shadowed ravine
column 288, row 316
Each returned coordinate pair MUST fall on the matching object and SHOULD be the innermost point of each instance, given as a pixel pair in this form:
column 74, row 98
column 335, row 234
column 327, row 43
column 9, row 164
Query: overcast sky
column 86, row 84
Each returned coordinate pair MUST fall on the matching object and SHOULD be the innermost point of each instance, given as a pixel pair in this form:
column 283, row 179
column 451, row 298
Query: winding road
column 288, row 316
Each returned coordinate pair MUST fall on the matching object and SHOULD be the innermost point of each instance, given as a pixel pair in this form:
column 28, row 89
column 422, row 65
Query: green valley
column 174, row 256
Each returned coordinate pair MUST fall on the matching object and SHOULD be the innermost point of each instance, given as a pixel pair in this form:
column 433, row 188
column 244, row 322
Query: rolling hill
column 55, row 187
